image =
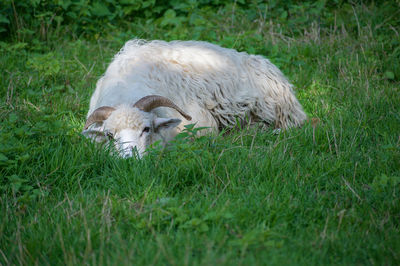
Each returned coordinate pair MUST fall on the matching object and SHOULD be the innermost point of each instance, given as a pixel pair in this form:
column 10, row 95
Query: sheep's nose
column 136, row 153
column 131, row 152
column 127, row 153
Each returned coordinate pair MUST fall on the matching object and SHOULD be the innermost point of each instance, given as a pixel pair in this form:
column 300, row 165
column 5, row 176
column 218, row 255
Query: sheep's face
column 132, row 130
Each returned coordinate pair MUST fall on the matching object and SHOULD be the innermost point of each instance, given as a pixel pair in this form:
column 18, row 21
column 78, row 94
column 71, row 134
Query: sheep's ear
column 95, row 132
column 165, row 123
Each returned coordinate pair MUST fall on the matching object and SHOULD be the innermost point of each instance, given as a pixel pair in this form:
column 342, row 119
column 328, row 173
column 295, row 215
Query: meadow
column 327, row 193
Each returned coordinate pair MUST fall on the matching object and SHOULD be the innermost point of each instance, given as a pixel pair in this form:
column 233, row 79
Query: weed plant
column 325, row 193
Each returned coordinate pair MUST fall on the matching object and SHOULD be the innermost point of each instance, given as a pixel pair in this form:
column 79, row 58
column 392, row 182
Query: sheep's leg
column 288, row 112
column 282, row 114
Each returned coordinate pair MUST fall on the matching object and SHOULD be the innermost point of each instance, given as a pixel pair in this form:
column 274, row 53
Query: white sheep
column 185, row 82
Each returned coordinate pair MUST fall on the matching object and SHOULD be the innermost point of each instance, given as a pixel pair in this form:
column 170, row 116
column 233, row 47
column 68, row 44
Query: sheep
column 152, row 89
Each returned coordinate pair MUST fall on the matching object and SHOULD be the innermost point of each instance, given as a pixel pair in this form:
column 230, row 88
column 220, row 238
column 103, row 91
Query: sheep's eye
column 146, row 129
column 110, row 135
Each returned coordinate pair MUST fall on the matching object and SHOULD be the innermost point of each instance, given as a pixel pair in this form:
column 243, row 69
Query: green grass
column 326, row 193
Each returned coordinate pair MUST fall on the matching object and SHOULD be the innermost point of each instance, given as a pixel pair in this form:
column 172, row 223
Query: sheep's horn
column 99, row 115
column 150, row 102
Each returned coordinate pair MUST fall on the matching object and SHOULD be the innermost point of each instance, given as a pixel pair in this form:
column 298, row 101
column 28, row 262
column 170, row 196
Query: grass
column 326, row 193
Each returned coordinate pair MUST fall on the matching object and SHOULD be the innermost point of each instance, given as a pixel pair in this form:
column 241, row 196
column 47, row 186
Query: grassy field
column 326, row 193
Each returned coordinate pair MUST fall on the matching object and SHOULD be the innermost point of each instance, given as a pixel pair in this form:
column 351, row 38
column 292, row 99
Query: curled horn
column 150, row 102
column 99, row 115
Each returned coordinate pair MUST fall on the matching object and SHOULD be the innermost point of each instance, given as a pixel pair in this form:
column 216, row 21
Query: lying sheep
column 151, row 90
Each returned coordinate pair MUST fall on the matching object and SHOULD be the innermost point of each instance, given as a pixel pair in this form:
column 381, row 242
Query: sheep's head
column 133, row 128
